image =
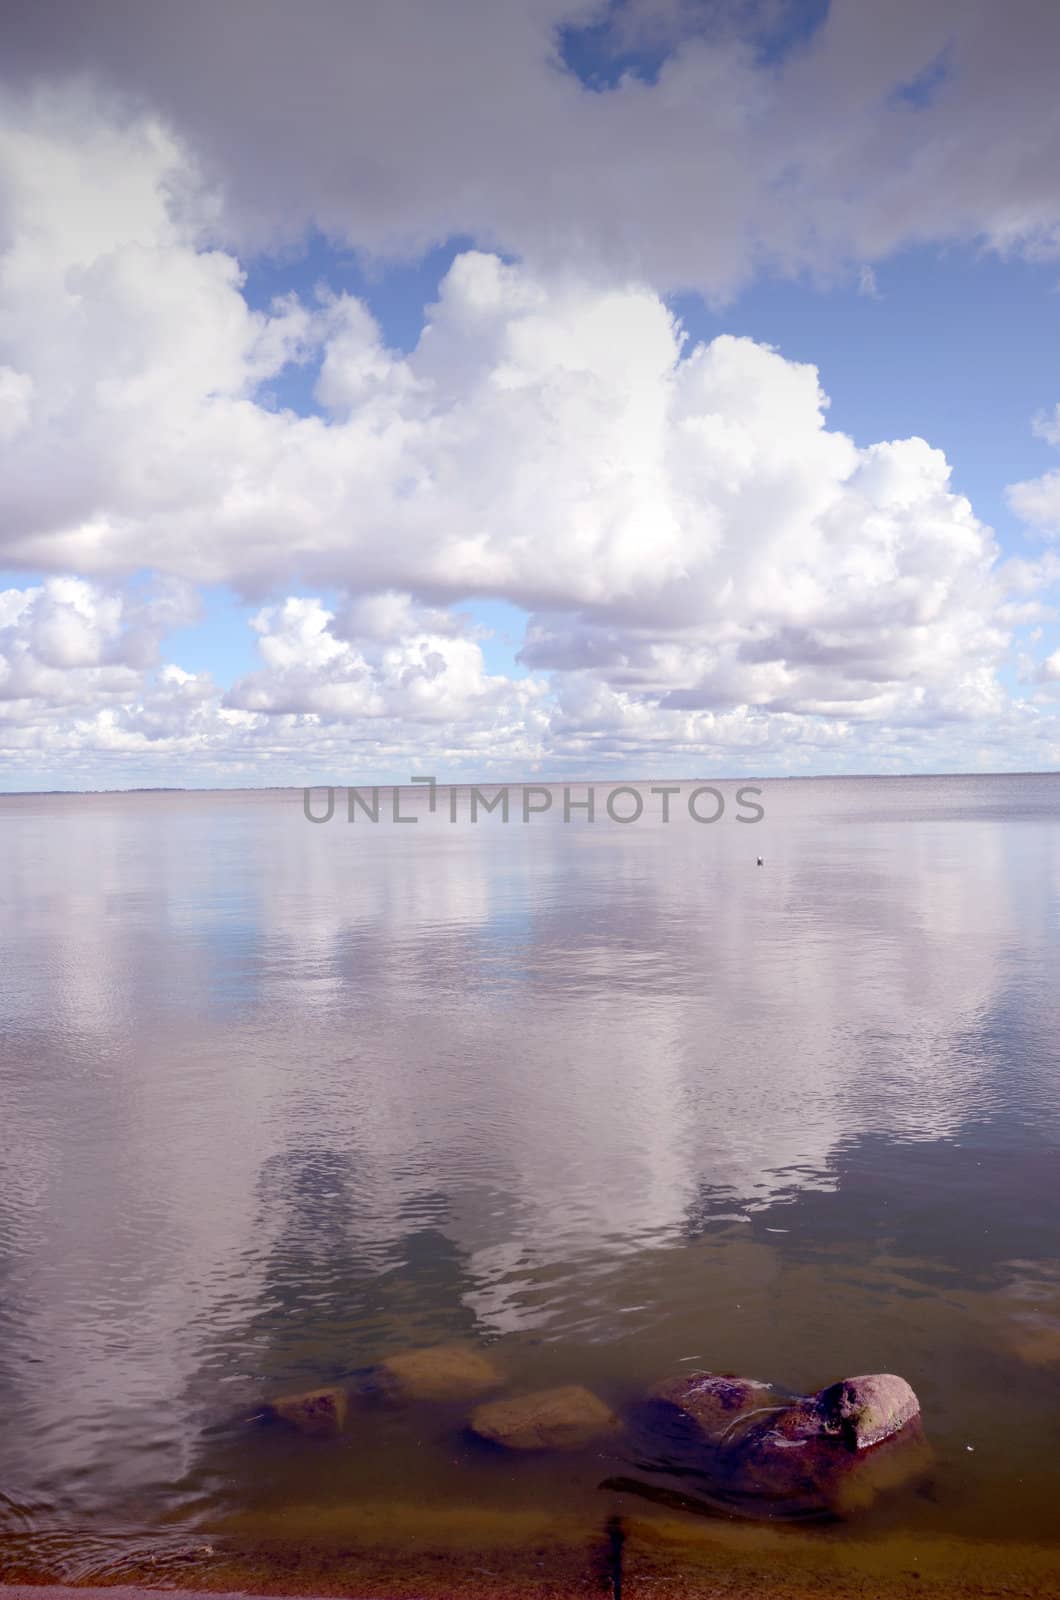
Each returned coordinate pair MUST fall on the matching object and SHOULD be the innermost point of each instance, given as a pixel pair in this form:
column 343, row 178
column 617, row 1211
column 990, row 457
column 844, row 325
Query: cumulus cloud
column 69, row 643
column 84, row 695
column 400, row 667
column 386, row 687
column 128, row 356
column 706, row 565
column 680, row 522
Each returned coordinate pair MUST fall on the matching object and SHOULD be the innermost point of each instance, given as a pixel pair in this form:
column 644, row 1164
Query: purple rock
column 767, row 1453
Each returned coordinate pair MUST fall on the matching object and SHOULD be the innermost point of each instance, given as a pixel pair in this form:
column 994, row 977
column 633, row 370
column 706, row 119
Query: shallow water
column 280, row 1099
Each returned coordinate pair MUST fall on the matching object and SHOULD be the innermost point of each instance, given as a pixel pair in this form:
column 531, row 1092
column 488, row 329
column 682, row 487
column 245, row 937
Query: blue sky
column 341, row 417
column 623, row 38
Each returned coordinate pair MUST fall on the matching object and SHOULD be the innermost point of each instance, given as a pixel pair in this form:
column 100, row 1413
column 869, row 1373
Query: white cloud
column 1048, row 671
column 412, row 674
column 707, row 566
column 1047, row 425
column 1037, row 500
column 68, row 643
column 379, row 691
column 122, row 345
column 84, row 698
column 549, row 440
column 867, row 284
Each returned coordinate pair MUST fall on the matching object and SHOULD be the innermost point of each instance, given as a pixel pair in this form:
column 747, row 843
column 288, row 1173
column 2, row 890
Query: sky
column 515, row 388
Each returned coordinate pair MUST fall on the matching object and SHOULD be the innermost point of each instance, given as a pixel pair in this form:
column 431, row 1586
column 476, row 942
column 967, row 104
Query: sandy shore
column 657, row 1558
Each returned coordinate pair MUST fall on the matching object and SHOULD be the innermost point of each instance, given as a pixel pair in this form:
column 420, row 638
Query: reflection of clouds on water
column 138, row 1241
column 666, row 1027
column 903, row 983
column 530, row 1052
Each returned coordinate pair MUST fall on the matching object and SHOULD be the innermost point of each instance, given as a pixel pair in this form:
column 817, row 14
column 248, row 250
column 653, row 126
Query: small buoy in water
column 758, row 861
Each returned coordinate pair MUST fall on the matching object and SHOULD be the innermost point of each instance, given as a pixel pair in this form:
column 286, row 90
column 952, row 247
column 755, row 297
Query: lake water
column 607, row 1100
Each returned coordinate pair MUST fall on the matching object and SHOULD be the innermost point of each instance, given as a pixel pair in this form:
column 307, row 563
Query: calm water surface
column 277, row 1100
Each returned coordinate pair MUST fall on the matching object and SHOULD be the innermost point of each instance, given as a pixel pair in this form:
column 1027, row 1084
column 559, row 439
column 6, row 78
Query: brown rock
column 317, row 1411
column 441, row 1372
column 568, row 1418
column 867, row 1410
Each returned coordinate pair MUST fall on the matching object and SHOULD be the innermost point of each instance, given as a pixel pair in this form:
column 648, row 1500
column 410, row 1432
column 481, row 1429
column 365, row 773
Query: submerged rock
column 831, row 1453
column 316, row 1411
column 568, row 1418
column 714, row 1403
column 447, row 1372
column 767, row 1454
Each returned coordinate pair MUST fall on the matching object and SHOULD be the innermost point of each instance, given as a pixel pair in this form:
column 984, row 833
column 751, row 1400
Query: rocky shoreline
column 738, row 1443
column 768, row 1460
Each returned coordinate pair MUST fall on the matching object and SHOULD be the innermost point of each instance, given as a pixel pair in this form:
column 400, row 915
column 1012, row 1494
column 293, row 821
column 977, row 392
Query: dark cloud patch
column 730, row 136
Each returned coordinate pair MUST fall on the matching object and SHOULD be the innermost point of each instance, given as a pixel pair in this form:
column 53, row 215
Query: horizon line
column 526, row 783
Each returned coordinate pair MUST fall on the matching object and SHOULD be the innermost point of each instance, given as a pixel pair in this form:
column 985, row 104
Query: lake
column 605, row 1100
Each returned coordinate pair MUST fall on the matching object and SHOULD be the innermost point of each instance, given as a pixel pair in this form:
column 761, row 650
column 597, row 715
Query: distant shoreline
column 515, row 783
